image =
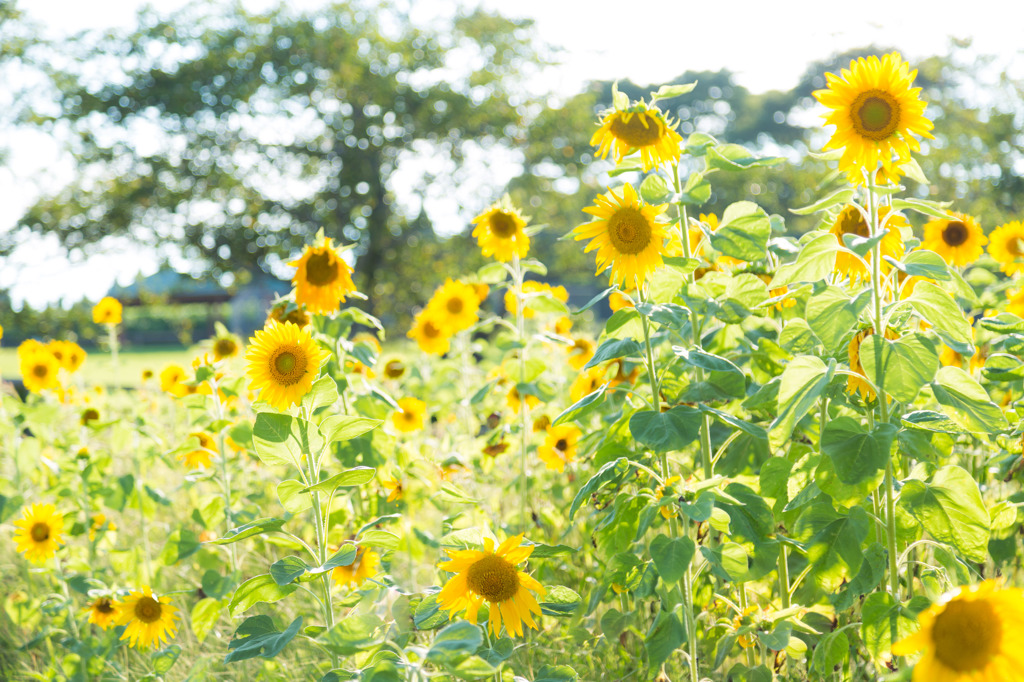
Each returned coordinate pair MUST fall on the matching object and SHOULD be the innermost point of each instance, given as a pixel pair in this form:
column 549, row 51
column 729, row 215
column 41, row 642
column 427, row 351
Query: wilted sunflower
column 107, row 311
column 958, row 240
column 639, row 128
column 201, row 456
column 366, row 565
column 284, row 361
column 394, row 368
column 499, row 231
column 876, row 113
column 322, row 278
column 559, row 446
column 102, row 612
column 856, row 384
column 285, row 310
column 429, row 334
column 455, row 305
column 851, row 221
column 39, row 532
column 491, row 575
column 39, row 370
column 148, row 619
column 972, row 635
column 89, row 415
column 1006, row 245
column 409, row 416
column 627, row 234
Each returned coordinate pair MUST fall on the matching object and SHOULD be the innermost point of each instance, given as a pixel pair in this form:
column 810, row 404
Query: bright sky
column 767, row 44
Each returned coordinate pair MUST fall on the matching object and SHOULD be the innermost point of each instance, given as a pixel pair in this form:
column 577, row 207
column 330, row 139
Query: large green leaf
column 856, row 453
column 803, row 382
column 262, row 588
column 611, row 349
column 609, row 472
column 816, row 261
column 743, row 232
column 940, row 310
column 963, row 400
column 672, row 556
column 831, row 314
column 950, row 508
column 663, row 431
column 907, row 363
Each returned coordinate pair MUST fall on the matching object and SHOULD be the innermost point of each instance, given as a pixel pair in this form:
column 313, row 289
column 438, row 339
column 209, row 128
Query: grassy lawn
column 99, row 368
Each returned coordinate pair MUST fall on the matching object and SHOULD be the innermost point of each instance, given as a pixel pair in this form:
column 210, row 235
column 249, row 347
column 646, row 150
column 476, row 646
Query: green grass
column 99, row 368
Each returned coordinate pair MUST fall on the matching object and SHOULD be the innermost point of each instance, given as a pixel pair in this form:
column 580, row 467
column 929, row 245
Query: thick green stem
column 784, row 575
column 524, row 409
column 112, row 341
column 883, row 406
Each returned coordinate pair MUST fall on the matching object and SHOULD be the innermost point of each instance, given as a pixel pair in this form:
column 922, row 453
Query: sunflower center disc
column 493, row 578
column 104, row 606
column 225, row 347
column 852, row 222
column 40, row 532
column 561, row 445
column 430, row 331
column 875, row 114
column 40, row 371
column 502, row 225
column 454, row 305
column 321, row 269
column 288, row 365
column 629, row 231
column 955, row 233
column 147, row 610
column 1016, row 246
column 967, row 634
column 640, row 131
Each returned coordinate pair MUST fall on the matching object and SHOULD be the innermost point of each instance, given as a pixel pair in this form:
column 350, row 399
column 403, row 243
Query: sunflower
column 541, row 424
column 1015, row 303
column 393, row 487
column 394, row 368
column 107, row 311
column 286, row 310
column 148, row 619
column 68, row 353
column 851, row 221
column 102, row 612
column 1006, row 245
column 856, row 384
column 627, row 234
column 533, row 287
column 100, row 524
column 366, row 564
column 482, row 291
column 638, row 128
column 559, row 446
column 39, row 532
column 876, row 113
column 490, row 575
column 499, row 231
column 455, row 305
column 147, row 374
column 429, row 333
column 958, row 240
column 668, row 490
column 89, row 415
column 409, row 416
column 284, row 360
column 972, row 635
column 225, row 345
column 580, row 352
column 39, row 370
column 563, row 326
column 172, row 379
column 322, row 277
column 586, row 383
column 202, row 456
column 515, row 401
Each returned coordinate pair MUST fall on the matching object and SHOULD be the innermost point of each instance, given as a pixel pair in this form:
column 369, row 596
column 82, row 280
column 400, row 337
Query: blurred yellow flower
column 393, row 487
column 851, row 221
column 202, row 456
column 148, row 619
column 533, row 287
column 559, row 447
column 322, row 277
column 39, row 369
column 642, row 129
column 455, row 306
column 959, row 240
column 38, row 532
column 1006, row 245
column 102, row 612
column 107, row 311
column 409, row 416
column 429, row 333
column 499, row 231
column 366, row 565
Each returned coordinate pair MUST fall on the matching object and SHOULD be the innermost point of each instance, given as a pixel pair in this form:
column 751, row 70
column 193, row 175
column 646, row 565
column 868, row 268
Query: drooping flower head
column 877, row 114
column 39, row 532
column 224, row 344
column 1006, row 245
column 148, row 619
column 972, row 634
column 628, row 235
column 286, row 310
column 500, row 231
column 856, row 384
column 107, row 311
column 491, row 575
column 283, row 362
column 851, row 221
column 322, row 277
column 641, row 128
column 959, row 240
column 202, row 456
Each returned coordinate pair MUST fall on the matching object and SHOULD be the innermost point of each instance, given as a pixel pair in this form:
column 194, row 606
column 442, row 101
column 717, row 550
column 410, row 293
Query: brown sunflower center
column 967, row 635
column 225, row 347
column 287, row 365
column 502, row 224
column 851, row 221
column 641, row 130
column 40, row 371
column 454, row 305
column 493, row 578
column 40, row 532
column 875, row 114
column 104, row 606
column 90, row 414
column 1015, row 245
column 394, row 369
column 148, row 610
column 629, row 231
column 561, row 445
column 955, row 233
column 431, row 331
column 321, row 269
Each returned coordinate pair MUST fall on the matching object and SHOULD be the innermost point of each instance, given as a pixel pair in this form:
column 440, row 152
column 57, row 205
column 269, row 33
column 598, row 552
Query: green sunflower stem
column 112, row 342
column 225, row 473
column 883, row 405
column 524, row 409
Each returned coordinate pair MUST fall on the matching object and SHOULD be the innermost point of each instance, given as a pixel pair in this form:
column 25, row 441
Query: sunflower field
column 780, row 457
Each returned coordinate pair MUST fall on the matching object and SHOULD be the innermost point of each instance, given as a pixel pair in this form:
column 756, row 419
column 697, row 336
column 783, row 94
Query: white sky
column 768, row 45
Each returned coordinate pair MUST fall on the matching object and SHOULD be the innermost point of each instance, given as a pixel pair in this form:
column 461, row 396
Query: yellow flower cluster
column 453, row 308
